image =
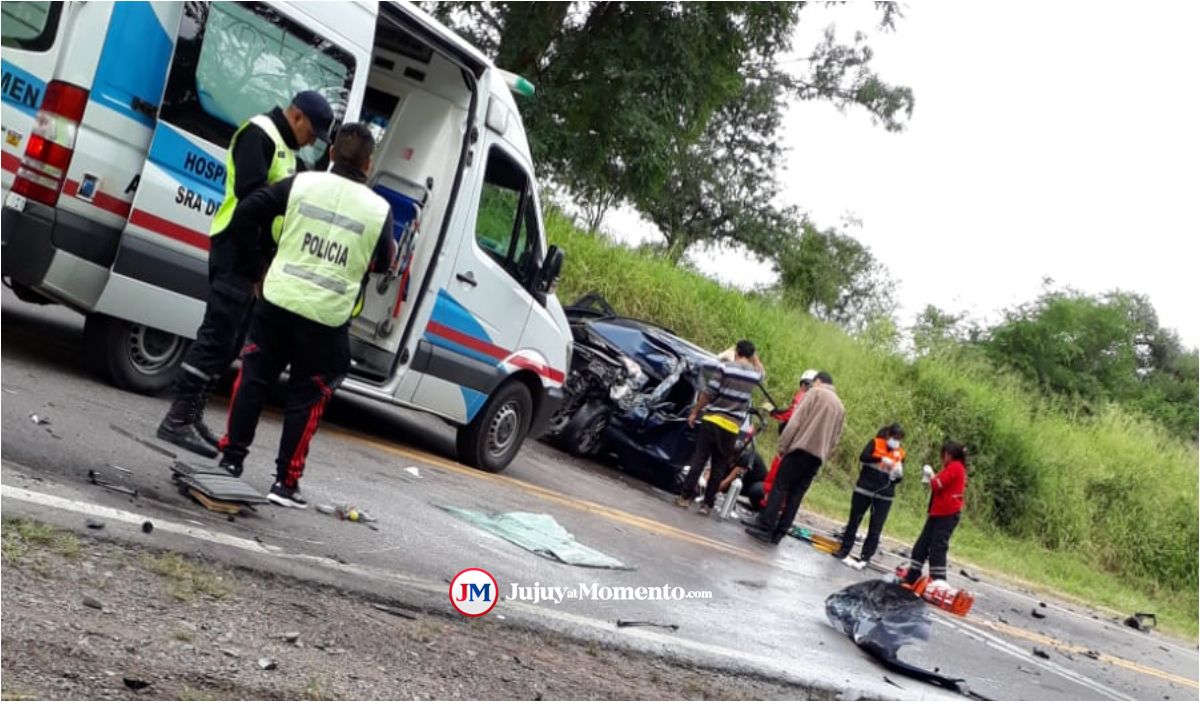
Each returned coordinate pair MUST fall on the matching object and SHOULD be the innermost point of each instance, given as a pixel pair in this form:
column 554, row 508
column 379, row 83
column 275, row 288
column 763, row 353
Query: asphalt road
column 767, row 606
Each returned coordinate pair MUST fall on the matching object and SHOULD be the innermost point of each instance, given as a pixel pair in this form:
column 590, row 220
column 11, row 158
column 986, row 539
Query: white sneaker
column 938, row 585
column 849, row 562
column 859, row 565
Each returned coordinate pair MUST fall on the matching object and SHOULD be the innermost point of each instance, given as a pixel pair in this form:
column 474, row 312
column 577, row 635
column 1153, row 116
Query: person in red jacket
column 945, row 507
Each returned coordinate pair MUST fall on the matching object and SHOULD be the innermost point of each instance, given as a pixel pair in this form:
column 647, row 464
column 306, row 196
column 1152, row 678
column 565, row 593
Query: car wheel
column 584, row 433
column 133, row 356
column 492, row 439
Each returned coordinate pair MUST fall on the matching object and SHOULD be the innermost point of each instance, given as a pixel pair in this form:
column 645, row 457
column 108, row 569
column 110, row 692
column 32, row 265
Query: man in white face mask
column 882, row 467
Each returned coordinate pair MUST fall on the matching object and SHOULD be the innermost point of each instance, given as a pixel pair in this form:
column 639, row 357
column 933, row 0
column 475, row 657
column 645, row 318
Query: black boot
column 202, row 429
column 179, row 427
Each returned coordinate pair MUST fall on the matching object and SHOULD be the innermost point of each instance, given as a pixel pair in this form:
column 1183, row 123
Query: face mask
column 893, row 444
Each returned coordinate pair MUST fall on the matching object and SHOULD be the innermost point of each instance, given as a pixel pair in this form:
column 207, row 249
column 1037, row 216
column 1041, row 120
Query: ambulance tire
column 493, row 438
column 133, row 356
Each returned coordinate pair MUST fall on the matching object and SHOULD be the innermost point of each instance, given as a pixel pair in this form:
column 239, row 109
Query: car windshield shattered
column 631, row 386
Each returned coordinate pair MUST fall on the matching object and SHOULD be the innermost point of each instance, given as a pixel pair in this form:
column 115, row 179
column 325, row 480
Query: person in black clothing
column 882, row 466
column 233, row 274
column 319, row 355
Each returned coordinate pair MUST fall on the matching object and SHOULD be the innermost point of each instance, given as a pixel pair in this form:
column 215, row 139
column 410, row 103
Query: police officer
column 334, row 231
column 262, row 151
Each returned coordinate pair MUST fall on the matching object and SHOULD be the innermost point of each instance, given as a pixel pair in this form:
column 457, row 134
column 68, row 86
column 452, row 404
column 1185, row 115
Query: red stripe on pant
column 295, row 467
column 237, row 383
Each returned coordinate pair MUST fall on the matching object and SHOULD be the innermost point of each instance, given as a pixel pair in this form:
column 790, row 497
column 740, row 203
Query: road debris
column 1041, row 654
column 89, row 601
column 290, row 636
column 115, row 487
column 94, row 524
column 623, row 623
column 540, row 534
column 1094, row 655
column 893, row 683
column 134, row 437
column 267, row 664
column 325, row 509
column 413, row 471
column 395, row 611
column 38, row 419
column 147, row 526
column 966, row 574
column 1142, row 621
column 881, row 617
column 135, row 684
column 1036, row 614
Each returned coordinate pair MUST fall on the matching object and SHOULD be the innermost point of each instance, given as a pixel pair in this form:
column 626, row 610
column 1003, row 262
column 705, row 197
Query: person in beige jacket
column 808, row 439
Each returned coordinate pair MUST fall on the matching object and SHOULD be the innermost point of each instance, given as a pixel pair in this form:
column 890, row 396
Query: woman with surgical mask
column 882, row 467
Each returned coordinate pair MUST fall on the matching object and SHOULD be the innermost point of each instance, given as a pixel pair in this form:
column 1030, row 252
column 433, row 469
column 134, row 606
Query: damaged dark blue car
column 631, row 386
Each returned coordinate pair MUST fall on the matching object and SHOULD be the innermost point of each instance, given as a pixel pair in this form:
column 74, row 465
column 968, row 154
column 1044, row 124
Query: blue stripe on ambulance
column 21, row 90
column 134, row 61
column 189, row 164
column 449, row 312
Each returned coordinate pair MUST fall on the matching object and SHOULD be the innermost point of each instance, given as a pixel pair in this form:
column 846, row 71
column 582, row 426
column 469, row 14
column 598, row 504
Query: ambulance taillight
column 48, row 151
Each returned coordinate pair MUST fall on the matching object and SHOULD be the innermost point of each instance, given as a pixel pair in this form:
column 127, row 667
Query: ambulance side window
column 502, row 228
column 29, row 26
column 236, row 60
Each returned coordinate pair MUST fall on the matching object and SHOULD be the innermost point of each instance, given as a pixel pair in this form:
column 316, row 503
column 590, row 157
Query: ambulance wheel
column 133, row 356
column 492, row 439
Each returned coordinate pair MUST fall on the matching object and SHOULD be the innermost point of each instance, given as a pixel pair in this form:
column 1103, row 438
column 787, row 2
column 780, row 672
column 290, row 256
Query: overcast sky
column 1056, row 139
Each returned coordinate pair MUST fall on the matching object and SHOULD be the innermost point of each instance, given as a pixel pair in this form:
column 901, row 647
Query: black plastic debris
column 394, row 611
column 39, row 419
column 1036, row 614
column 623, row 623
column 217, row 484
column 881, row 617
column 1142, row 621
column 966, row 574
column 1041, row 654
column 147, row 527
column 94, row 524
column 1094, row 655
column 95, row 479
column 153, row 447
column 135, row 684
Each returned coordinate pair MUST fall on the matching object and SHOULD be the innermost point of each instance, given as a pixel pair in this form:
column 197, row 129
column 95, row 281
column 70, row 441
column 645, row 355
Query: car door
column 481, row 312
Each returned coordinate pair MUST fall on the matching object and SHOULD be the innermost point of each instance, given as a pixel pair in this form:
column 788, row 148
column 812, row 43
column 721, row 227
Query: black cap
column 317, row 110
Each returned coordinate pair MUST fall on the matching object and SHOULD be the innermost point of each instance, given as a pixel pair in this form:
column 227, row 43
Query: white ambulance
column 116, row 119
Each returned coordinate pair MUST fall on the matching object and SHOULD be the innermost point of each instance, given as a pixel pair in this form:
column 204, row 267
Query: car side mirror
column 547, row 275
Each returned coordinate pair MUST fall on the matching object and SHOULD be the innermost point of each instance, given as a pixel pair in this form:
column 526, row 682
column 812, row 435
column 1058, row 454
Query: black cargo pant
column 713, row 445
column 227, row 316
column 319, row 357
column 796, row 473
column 933, row 544
column 879, row 505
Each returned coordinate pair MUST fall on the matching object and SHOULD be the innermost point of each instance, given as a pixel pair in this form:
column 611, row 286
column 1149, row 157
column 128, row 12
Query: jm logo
column 473, row 592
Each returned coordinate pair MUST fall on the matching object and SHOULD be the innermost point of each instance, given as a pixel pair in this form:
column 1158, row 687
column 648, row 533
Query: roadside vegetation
column 1102, row 507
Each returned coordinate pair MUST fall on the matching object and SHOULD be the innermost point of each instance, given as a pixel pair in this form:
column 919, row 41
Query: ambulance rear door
column 30, row 34
column 231, row 62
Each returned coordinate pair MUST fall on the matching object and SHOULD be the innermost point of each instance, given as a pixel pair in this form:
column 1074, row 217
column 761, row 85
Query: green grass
column 187, row 579
column 24, row 539
column 1101, row 508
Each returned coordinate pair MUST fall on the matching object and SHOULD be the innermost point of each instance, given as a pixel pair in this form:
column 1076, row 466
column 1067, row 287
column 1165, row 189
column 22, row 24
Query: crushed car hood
column 653, row 348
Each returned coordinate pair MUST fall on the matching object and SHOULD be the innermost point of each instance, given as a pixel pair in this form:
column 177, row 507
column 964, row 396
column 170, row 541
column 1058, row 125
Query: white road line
column 1049, row 666
column 664, row 642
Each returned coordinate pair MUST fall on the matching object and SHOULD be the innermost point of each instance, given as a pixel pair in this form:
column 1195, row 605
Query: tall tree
column 835, row 278
column 627, row 89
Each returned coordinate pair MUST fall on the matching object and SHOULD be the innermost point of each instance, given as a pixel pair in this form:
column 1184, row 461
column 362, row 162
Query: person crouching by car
column 947, row 488
column 882, row 466
column 721, row 409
